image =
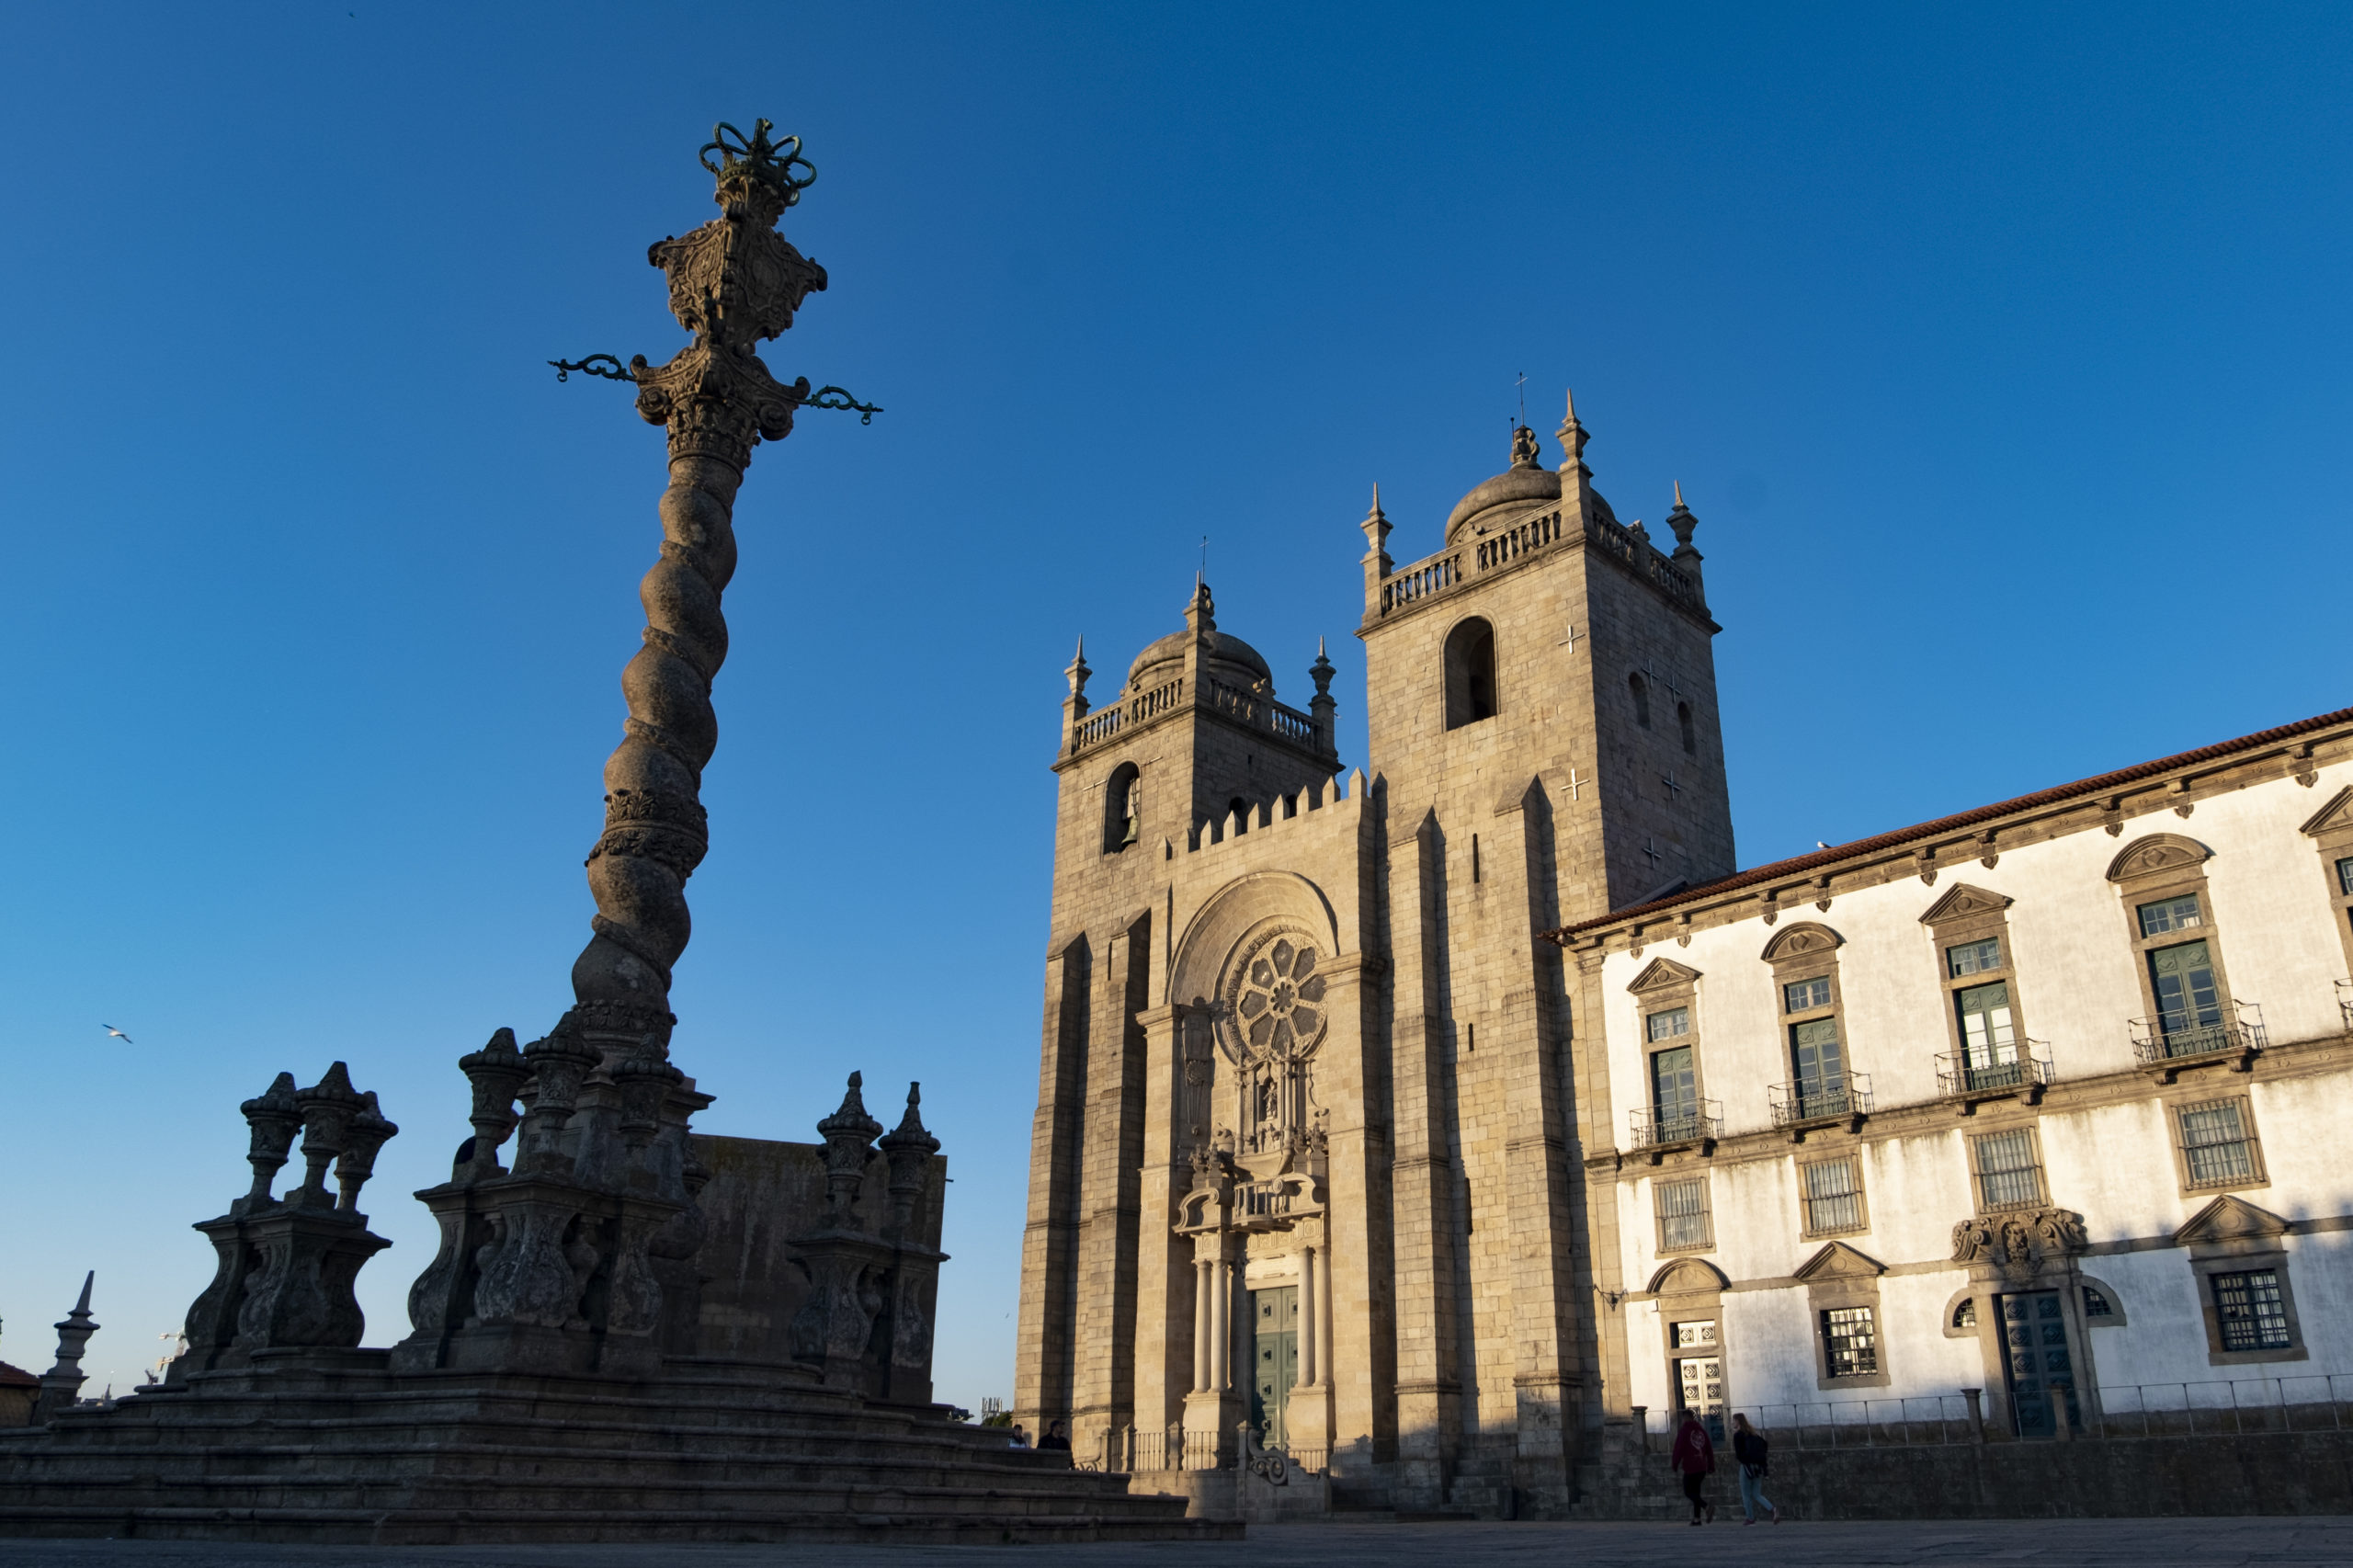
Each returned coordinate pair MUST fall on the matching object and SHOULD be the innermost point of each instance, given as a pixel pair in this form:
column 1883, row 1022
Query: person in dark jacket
column 1057, row 1439
column 1694, row 1458
column 1748, row 1448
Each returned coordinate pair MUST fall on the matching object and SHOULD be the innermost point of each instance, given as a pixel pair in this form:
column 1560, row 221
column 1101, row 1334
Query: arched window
column 1122, row 808
column 1470, row 674
column 1641, row 690
column 1691, row 734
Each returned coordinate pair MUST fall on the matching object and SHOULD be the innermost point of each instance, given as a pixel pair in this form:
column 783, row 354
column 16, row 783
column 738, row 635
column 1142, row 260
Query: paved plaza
column 2077, row 1544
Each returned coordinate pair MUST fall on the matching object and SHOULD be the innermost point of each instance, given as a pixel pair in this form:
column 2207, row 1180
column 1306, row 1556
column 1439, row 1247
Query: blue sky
column 2002, row 352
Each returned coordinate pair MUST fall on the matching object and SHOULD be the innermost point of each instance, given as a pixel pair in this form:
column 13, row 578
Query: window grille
column 1670, row 1024
column 2215, row 1147
column 1804, row 995
column 2249, row 1309
column 2170, row 915
column 1683, row 1220
column 2007, row 1176
column 1833, row 1197
column 1849, row 1342
column 2097, row 1304
column 1975, row 957
column 1965, row 1314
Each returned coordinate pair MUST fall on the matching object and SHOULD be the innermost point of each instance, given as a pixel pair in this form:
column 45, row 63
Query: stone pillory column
column 554, row 1266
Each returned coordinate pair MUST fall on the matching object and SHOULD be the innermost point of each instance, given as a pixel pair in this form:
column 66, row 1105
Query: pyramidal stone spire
column 61, row 1384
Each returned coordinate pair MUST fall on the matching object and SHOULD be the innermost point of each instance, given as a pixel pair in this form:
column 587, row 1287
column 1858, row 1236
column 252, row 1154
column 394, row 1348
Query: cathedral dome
column 1524, row 483
column 1226, row 657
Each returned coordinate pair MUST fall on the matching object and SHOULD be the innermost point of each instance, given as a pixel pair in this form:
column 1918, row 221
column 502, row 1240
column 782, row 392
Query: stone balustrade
column 1411, row 585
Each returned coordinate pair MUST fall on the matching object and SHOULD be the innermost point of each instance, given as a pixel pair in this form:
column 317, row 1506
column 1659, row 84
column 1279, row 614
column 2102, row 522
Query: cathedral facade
column 1444, row 1126
column 1303, row 1152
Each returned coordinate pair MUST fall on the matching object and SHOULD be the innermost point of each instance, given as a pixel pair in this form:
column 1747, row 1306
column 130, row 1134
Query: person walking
column 1695, row 1458
column 1748, row 1450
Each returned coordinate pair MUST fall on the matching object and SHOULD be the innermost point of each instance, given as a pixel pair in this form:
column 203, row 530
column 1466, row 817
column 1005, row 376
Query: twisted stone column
column 733, row 282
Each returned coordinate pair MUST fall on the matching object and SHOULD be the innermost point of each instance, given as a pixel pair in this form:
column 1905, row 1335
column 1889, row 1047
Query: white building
column 2039, row 1100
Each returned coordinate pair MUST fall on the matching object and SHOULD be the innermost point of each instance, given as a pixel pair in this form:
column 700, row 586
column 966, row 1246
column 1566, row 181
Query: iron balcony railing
column 1959, row 1074
column 1697, row 1124
column 1821, row 1099
column 2179, row 1037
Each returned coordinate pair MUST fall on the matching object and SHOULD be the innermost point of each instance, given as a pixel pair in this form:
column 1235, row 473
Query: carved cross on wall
column 1673, row 789
column 1570, row 640
column 1576, row 783
column 1651, row 851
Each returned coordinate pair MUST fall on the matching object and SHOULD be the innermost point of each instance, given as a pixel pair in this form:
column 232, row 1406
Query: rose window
column 1281, row 998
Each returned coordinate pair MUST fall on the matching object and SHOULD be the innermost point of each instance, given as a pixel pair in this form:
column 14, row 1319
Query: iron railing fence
column 1820, row 1099
column 1653, row 1130
column 1958, row 1075
column 2181, row 1036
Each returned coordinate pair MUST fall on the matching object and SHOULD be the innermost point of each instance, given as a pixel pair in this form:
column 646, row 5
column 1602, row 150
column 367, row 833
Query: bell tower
column 1548, row 640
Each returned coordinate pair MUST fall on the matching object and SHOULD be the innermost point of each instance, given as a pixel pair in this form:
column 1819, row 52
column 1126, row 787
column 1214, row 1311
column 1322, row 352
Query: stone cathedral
column 1302, row 1153
column 1450, row 1128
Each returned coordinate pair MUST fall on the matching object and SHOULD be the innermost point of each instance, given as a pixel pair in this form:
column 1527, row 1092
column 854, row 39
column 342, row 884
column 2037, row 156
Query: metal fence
column 1906, row 1420
column 2317, row 1402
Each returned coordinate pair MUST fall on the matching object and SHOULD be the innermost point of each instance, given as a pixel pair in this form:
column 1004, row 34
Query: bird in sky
column 118, row 1034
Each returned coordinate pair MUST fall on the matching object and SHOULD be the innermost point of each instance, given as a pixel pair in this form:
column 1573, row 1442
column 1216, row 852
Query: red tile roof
column 1820, row 857
column 16, row 1377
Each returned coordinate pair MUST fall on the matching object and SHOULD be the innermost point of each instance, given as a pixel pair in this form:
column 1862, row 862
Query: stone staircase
column 456, row 1457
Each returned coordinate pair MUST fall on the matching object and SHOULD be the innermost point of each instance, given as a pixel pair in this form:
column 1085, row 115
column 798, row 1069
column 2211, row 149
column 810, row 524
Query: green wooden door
column 1675, row 1093
column 2035, row 1362
column 1988, row 1036
column 2190, row 1005
column 1821, row 1067
column 1274, row 1358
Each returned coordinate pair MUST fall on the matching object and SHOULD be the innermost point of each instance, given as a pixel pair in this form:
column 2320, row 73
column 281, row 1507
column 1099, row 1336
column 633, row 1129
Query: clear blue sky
column 2004, row 355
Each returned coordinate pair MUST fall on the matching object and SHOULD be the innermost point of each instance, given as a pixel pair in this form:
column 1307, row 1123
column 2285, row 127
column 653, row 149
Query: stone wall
column 2258, row 1472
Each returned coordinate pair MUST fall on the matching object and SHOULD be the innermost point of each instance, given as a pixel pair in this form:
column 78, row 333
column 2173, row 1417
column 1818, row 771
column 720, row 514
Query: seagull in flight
column 118, row 1034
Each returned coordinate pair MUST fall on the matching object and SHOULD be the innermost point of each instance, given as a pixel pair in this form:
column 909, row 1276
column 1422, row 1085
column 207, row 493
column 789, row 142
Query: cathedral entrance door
column 1274, row 1358
column 2035, row 1360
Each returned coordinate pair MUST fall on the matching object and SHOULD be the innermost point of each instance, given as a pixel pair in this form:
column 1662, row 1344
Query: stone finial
column 61, row 1384
column 1201, row 615
column 1681, row 520
column 275, row 1118
column 909, row 1147
column 369, row 1131
column 496, row 1071
column 1572, row 436
column 850, row 1138
column 1077, row 672
column 1377, row 529
column 559, row 1064
column 1321, row 671
column 1523, row 447
column 328, row 1108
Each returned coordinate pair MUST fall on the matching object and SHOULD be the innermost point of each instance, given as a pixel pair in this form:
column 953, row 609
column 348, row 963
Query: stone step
column 425, row 1526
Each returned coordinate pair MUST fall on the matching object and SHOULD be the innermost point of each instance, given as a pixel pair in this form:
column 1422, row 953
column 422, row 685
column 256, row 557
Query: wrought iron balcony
column 1962, row 1078
column 1654, row 1134
column 2171, row 1040
column 1805, row 1104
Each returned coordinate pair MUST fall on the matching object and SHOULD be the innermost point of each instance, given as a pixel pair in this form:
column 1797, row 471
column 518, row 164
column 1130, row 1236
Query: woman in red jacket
column 1695, row 1458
